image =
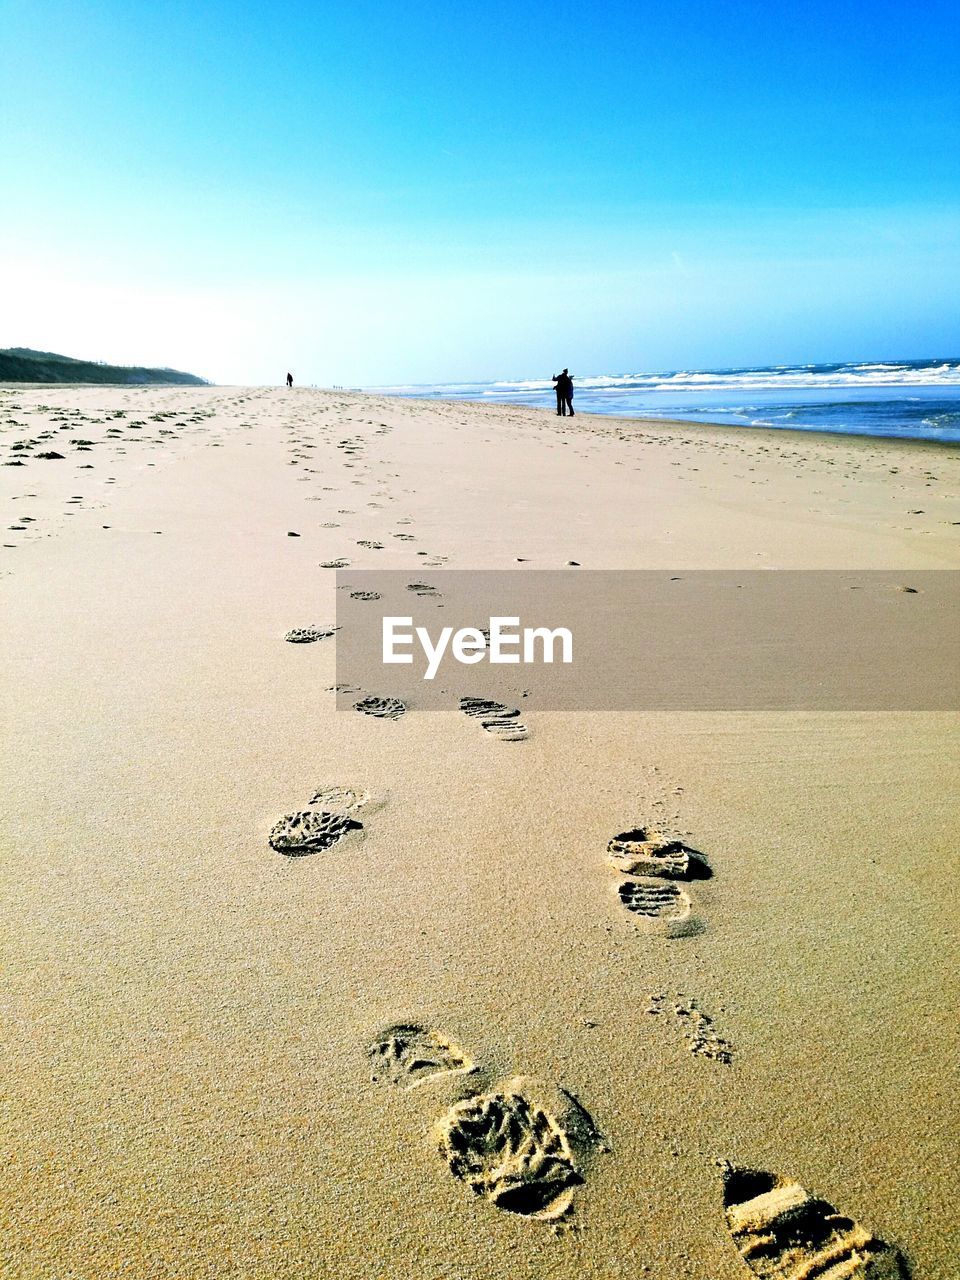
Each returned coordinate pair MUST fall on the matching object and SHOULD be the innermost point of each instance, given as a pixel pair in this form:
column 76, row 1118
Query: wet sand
column 193, row 1021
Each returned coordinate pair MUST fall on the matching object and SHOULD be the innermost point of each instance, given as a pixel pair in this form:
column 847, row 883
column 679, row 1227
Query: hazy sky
column 412, row 192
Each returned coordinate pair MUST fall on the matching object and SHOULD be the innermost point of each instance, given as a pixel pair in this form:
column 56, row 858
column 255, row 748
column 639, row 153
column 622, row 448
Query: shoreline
column 678, row 423
column 683, row 423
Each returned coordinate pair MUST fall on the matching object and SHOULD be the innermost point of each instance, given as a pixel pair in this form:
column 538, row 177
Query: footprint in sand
column 341, row 562
column 407, row 1054
column 364, row 595
column 311, row 831
column 370, row 546
column 422, row 589
column 343, row 799
column 520, row 1143
column 662, row 907
column 698, row 1028
column 309, row 635
column 502, row 722
column 381, row 708
column 784, row 1233
column 645, row 851
column 654, row 860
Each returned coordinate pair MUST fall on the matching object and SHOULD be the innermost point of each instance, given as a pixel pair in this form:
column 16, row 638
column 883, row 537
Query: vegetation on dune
column 21, row 364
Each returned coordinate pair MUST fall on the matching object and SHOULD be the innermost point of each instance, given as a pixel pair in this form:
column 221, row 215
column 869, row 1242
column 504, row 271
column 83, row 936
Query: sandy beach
column 221, row 1062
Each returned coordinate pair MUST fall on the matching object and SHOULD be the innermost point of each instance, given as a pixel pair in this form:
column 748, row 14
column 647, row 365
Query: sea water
column 915, row 399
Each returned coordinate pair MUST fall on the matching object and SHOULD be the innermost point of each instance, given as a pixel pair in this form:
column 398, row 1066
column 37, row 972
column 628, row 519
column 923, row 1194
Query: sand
column 193, row 1021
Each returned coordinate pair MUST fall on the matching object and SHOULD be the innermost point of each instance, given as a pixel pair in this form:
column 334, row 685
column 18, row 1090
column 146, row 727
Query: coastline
column 912, row 399
column 684, row 424
column 188, row 1013
column 621, row 420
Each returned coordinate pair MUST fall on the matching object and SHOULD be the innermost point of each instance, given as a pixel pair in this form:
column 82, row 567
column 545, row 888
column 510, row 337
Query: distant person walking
column 564, row 385
column 289, row 379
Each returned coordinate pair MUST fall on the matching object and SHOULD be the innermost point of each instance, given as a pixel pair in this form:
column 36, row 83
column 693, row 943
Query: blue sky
column 380, row 193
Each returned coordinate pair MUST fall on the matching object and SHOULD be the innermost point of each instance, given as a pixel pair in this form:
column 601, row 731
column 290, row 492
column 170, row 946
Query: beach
column 202, row 1076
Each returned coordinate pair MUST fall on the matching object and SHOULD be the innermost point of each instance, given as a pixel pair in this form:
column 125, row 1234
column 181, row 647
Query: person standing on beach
column 561, row 405
column 289, row 379
column 564, row 382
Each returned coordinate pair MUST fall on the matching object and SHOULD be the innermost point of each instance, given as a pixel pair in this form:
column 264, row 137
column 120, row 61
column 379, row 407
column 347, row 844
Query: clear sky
column 425, row 191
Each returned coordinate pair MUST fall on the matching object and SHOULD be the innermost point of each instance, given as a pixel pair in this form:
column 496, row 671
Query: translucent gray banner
column 577, row 640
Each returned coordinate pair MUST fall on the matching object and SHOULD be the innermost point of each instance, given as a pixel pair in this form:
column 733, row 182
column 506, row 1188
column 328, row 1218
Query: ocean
column 912, row 399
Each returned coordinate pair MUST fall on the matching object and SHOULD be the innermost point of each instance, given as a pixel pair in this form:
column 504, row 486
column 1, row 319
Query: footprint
column 522, row 1152
column 422, row 589
column 341, row 562
column 341, row 799
column 407, row 1054
column 364, row 595
column 382, row 708
column 661, row 906
column 502, row 722
column 784, row 1233
column 648, row 852
column 371, row 546
column 308, row 635
column 520, row 1143
column 699, row 1031
column 311, row 831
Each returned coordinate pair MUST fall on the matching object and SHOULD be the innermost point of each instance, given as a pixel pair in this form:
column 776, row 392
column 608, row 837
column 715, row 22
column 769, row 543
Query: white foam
column 787, row 377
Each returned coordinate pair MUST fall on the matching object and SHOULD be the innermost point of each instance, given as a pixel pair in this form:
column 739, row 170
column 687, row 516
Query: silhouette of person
column 564, row 384
column 289, row 379
column 561, row 403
